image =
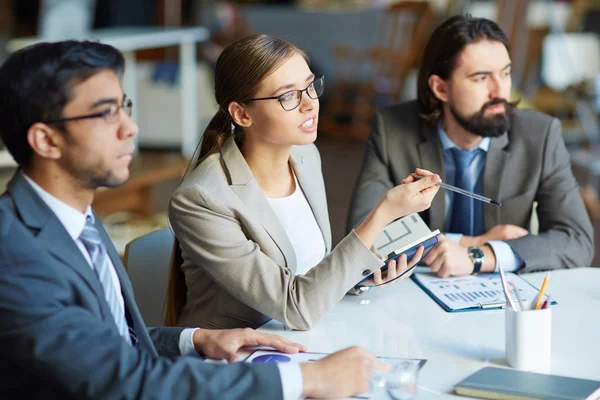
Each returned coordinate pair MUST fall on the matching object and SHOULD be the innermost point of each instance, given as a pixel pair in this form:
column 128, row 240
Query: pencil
column 542, row 290
column 465, row 192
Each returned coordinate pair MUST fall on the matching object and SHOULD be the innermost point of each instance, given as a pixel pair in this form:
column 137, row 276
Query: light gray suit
column 529, row 163
column 238, row 261
column 59, row 339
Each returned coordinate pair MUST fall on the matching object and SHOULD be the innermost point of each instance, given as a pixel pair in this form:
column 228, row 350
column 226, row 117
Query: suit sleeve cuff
column 186, row 342
column 505, row 256
column 291, row 381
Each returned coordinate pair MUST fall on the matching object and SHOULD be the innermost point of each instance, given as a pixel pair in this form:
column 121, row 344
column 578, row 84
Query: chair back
column 147, row 260
column 367, row 79
column 570, row 59
column 403, row 33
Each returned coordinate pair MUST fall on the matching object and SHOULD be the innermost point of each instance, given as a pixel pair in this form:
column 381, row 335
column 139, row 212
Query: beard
column 481, row 125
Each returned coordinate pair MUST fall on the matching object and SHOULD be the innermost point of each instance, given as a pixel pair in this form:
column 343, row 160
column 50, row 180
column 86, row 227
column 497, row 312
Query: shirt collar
column 447, row 143
column 72, row 219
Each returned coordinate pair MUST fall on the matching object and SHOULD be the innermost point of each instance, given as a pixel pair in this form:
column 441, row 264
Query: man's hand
column 448, row 259
column 498, row 232
column 504, row 232
column 342, row 374
column 396, row 267
column 224, row 343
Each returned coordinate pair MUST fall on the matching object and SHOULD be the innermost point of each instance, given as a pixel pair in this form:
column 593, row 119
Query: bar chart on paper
column 473, row 291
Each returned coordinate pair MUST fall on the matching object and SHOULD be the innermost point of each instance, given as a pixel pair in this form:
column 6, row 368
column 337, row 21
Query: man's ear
column 45, row 141
column 439, row 87
column 239, row 114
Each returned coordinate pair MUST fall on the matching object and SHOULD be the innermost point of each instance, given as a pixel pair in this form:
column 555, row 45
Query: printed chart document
column 273, row 357
column 474, row 292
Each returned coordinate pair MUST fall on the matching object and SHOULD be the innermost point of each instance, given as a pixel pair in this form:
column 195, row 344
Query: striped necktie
column 93, row 243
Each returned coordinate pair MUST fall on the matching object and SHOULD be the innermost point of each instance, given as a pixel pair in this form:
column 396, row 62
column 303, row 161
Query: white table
column 128, row 40
column 403, row 321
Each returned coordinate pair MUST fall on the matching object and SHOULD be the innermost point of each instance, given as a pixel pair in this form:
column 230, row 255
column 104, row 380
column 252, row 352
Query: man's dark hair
column 446, row 43
column 36, row 83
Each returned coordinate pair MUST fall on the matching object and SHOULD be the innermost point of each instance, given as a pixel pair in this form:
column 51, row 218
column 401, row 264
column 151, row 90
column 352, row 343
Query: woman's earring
column 232, row 127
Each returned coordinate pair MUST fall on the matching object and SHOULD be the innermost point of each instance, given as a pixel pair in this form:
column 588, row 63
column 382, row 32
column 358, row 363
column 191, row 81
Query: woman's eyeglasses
column 292, row 99
column 110, row 114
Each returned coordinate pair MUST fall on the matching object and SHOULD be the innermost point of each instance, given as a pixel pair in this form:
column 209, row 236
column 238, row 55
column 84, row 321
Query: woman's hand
column 396, row 267
column 414, row 195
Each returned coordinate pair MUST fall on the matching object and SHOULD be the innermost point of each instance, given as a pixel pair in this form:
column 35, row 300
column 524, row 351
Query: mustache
column 507, row 105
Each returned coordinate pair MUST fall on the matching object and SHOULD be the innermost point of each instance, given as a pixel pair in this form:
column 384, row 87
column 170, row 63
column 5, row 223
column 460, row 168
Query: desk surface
column 403, row 321
column 133, row 38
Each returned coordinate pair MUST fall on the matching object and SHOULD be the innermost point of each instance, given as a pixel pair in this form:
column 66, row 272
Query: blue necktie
column 93, row 243
column 463, row 218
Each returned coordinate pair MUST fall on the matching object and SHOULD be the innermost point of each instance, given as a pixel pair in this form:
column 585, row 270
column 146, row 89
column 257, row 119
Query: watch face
column 475, row 252
column 476, row 255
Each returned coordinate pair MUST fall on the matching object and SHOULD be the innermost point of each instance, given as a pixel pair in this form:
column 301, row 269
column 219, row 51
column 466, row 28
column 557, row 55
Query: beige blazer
column 238, row 261
column 529, row 163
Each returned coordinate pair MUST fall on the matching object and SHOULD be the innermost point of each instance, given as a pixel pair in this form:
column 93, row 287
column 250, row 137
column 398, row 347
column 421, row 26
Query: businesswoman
column 251, row 220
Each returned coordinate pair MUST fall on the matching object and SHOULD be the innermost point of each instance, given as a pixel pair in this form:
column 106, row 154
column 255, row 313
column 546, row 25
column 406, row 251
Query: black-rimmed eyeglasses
column 110, row 114
column 291, row 100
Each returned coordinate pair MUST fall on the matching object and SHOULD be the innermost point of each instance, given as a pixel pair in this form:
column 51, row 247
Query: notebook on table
column 510, row 384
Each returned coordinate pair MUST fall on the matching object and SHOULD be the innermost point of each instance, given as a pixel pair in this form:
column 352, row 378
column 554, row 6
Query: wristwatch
column 476, row 255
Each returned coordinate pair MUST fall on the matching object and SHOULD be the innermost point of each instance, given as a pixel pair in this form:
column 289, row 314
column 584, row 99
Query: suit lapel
column 496, row 160
column 52, row 235
column 54, row 238
column 431, row 158
column 246, row 188
column 303, row 174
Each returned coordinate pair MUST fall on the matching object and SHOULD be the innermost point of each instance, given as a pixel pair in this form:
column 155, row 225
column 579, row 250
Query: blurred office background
column 368, row 50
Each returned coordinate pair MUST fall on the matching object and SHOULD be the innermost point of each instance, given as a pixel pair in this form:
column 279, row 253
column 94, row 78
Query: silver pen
column 464, row 192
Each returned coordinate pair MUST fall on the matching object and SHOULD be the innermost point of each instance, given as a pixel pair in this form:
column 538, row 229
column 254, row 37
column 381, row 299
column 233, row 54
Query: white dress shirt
column 74, row 220
column 505, row 255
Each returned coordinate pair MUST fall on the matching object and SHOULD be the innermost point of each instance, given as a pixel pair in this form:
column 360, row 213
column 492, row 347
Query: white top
column 298, row 221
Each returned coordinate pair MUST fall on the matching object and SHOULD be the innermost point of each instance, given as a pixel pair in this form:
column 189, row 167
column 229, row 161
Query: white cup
column 529, row 339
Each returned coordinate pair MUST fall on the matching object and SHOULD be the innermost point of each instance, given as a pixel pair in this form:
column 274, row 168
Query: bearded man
column 464, row 128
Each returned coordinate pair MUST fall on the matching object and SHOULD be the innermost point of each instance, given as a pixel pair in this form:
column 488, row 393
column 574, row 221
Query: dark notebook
column 510, row 384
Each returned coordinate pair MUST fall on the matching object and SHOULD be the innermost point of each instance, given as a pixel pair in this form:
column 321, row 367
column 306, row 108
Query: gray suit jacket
column 58, row 336
column 238, row 261
column 529, row 163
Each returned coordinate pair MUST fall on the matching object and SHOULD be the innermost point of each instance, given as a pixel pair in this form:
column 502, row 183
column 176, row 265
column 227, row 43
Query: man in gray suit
column 463, row 127
column 69, row 325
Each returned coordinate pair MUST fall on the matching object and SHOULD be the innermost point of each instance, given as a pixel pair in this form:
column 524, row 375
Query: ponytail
column 219, row 129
